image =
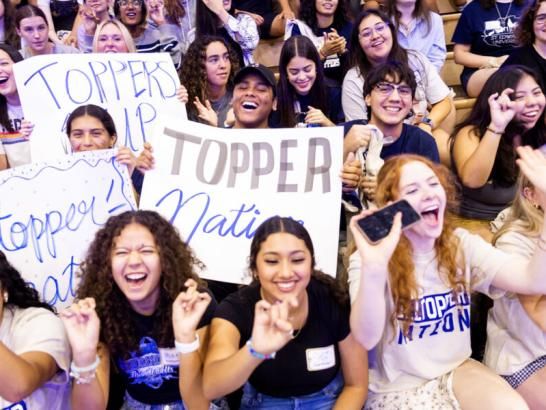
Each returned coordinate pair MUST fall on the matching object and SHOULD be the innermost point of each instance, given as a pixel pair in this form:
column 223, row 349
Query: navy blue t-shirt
column 413, row 140
column 488, row 32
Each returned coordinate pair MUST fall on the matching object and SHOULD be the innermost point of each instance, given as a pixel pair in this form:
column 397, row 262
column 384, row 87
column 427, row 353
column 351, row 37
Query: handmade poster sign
column 217, row 185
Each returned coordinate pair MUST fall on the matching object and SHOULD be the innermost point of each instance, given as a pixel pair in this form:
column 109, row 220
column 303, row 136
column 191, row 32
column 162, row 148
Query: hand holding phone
column 377, row 226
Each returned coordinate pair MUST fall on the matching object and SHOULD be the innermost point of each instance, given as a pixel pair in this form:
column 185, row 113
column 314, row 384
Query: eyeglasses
column 388, row 88
column 379, row 28
column 134, row 3
column 540, row 19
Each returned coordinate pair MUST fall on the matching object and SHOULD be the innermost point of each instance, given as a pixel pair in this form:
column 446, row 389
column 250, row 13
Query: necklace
column 503, row 19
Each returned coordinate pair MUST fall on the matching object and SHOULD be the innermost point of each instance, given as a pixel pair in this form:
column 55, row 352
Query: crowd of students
column 393, row 332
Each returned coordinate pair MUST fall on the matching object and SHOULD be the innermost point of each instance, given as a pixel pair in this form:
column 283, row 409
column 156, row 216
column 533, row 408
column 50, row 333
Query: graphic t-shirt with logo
column 488, row 32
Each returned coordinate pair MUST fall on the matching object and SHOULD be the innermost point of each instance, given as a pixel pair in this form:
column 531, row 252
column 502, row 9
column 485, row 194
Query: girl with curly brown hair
column 140, row 312
column 207, row 80
column 411, row 290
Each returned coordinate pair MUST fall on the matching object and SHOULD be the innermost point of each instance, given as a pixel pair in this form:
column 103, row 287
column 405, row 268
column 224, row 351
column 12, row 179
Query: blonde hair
column 523, row 216
column 129, row 42
column 402, row 277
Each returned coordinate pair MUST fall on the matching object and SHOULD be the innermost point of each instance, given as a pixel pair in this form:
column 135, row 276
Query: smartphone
column 378, row 225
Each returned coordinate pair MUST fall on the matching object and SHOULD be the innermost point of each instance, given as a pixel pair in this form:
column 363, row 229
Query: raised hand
column 351, row 172
column 82, row 327
column 376, row 256
column 26, row 129
column 182, row 94
column 188, row 309
column 89, row 19
column 205, row 112
column 502, row 109
column 216, row 6
column 156, row 11
column 272, row 329
column 368, row 185
column 126, row 157
column 533, row 164
column 145, row 160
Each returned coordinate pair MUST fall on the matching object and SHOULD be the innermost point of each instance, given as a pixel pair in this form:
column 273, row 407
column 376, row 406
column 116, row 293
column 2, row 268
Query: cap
column 259, row 69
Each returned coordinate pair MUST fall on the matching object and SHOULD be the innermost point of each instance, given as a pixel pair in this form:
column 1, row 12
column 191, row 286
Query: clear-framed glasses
column 388, row 88
column 540, row 19
column 134, row 3
column 379, row 28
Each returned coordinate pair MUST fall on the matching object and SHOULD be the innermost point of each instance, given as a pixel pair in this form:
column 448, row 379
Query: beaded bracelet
column 259, row 355
column 184, row 348
column 84, row 375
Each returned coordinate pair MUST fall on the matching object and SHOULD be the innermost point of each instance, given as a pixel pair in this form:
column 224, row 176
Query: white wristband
column 184, row 348
column 84, row 375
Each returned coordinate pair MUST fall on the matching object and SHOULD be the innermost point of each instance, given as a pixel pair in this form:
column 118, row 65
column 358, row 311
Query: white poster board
column 136, row 89
column 50, row 211
column 216, row 186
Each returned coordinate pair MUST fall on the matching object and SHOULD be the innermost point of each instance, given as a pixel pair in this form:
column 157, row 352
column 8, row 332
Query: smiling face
column 283, row 267
column 390, row 104
column 100, row 7
column 301, row 73
column 252, row 102
column 130, row 12
column 539, row 25
column 375, row 38
column 217, row 64
column 7, row 80
column 326, row 7
column 529, row 101
column 35, row 31
column 420, row 186
column 88, row 134
column 136, row 267
column 110, row 40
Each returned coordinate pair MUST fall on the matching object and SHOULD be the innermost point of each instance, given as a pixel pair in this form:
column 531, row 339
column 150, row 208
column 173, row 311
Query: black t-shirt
column 413, row 140
column 528, row 57
column 150, row 375
column 308, row 362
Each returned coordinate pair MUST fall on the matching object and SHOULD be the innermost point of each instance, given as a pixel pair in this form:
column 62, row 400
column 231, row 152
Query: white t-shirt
column 441, row 329
column 39, row 330
column 431, row 89
column 513, row 339
column 13, row 145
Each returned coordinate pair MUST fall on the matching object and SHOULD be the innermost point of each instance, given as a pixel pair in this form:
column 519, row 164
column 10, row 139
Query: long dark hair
column 177, row 265
column 10, row 34
column 279, row 224
column 299, row 46
column 20, row 293
column 206, row 22
column 308, row 14
column 421, row 11
column 504, row 170
column 4, row 117
column 358, row 56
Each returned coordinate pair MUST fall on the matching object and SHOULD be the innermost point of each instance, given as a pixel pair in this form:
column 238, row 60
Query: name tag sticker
column 169, row 356
column 320, row 358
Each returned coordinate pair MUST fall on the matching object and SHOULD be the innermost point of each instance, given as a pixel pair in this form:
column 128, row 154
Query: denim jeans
column 323, row 399
column 132, row 404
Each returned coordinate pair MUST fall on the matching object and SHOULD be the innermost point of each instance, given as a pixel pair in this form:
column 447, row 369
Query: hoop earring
column 6, row 296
